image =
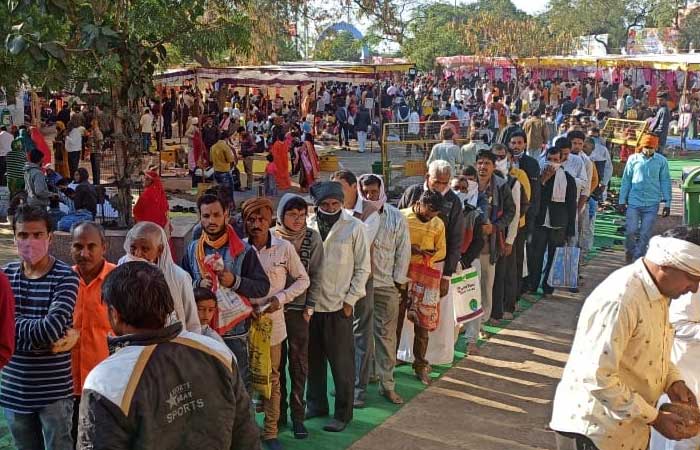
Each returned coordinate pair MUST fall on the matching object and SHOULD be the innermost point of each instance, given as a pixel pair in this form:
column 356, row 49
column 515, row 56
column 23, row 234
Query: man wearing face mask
column 556, row 220
column 367, row 212
column 499, row 211
column 521, row 160
column 331, row 328
column 438, row 179
column 391, row 253
column 646, row 181
column 508, row 271
column 37, row 389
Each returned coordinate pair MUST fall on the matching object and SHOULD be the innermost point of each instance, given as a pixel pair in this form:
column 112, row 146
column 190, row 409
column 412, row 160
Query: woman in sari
column 280, row 153
column 152, row 205
column 308, row 162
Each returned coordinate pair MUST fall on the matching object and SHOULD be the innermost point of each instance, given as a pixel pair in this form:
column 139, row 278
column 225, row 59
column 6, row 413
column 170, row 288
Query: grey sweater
column 35, row 184
column 311, row 255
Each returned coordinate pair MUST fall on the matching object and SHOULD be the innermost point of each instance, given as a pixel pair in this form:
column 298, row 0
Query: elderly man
column 291, row 225
column 166, row 387
column 90, row 320
column 288, row 280
column 438, row 179
column 147, row 241
column 447, row 150
column 620, row 360
column 37, row 385
column 367, row 212
column 331, row 335
column 390, row 258
column 242, row 271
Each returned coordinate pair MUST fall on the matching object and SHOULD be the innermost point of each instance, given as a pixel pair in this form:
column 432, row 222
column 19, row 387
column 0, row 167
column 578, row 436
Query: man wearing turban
column 620, row 360
column 288, row 280
column 646, row 182
column 330, row 331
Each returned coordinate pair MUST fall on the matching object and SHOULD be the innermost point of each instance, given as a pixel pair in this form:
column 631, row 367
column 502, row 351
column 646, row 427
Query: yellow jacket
column 521, row 176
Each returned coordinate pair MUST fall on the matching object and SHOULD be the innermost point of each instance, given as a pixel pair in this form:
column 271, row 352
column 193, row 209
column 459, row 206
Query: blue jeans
column 146, row 141
column 640, row 220
column 239, row 346
column 225, row 179
column 49, row 428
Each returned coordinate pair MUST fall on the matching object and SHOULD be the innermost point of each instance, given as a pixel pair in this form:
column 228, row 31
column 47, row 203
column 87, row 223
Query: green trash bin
column 691, row 197
column 377, row 169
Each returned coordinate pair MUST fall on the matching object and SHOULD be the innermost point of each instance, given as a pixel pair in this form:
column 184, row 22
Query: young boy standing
column 206, row 308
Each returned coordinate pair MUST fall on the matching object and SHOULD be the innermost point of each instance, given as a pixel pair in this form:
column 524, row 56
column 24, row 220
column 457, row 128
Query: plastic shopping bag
column 231, row 308
column 424, row 295
column 467, row 295
column 259, row 355
column 564, row 272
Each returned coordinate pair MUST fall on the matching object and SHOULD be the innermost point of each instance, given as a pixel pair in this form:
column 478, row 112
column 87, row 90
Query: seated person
column 55, row 211
column 105, row 210
column 81, row 202
column 52, row 177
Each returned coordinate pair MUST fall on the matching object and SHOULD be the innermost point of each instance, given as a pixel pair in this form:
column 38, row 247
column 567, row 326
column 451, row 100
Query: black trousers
column 95, row 162
column 545, row 239
column 344, row 133
column 331, row 341
column 505, row 286
column 572, row 441
column 3, row 170
column 168, row 127
column 295, row 349
column 519, row 250
column 73, row 162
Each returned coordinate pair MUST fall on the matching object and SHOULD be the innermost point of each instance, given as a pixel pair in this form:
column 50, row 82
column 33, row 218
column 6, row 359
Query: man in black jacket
column 168, row 110
column 165, row 388
column 438, row 179
column 556, row 219
column 521, row 160
column 210, row 133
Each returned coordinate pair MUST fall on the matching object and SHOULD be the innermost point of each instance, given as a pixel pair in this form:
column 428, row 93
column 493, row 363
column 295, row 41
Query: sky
column 531, row 6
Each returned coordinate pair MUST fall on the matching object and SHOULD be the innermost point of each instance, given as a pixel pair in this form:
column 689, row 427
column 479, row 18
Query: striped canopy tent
column 284, row 74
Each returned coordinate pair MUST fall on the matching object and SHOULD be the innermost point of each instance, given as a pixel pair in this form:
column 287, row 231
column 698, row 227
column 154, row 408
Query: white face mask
column 502, row 166
column 556, row 166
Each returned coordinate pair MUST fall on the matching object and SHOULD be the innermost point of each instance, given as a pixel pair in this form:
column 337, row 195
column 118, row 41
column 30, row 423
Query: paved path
column 501, row 399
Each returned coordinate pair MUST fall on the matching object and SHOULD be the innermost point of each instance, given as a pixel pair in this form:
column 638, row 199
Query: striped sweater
column 34, row 377
column 15, row 161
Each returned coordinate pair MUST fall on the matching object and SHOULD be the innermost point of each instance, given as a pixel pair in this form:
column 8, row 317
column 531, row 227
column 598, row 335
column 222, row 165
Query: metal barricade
column 405, row 149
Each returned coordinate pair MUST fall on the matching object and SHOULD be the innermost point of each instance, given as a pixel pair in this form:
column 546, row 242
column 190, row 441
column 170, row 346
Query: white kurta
column 619, row 365
column 685, row 317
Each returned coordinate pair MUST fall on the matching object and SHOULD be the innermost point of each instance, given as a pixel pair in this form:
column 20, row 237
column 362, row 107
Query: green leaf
column 60, row 4
column 109, row 32
column 16, row 45
column 53, row 49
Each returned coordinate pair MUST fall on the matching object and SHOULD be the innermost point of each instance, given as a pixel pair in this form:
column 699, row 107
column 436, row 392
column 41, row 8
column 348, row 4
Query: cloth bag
column 424, row 295
column 259, row 355
column 466, row 295
column 564, row 272
column 231, row 308
column 441, row 346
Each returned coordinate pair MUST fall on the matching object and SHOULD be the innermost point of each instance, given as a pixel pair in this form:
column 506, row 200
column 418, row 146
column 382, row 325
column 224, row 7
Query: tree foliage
column 113, row 47
column 338, row 46
column 612, row 17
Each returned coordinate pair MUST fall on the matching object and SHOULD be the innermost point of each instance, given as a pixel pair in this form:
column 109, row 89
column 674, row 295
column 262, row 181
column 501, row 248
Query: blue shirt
column 34, row 378
column 67, row 221
column 646, row 181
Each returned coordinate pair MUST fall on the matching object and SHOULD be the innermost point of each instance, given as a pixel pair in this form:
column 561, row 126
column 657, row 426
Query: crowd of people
column 143, row 351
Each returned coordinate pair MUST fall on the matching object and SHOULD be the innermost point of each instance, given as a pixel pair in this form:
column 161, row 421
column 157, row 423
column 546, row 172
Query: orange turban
column 257, row 204
column 648, row 141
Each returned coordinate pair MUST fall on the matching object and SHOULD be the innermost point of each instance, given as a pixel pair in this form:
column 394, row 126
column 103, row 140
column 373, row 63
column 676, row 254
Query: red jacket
column 7, row 321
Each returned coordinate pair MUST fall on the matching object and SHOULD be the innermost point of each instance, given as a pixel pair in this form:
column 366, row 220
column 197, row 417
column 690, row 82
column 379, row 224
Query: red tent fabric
column 41, row 144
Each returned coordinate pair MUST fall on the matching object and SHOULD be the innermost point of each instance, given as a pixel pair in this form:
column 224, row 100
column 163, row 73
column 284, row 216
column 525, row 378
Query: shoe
column 272, row 444
column 573, row 290
column 335, row 426
column 392, row 396
column 358, row 403
column 300, row 431
column 424, row 377
column 373, row 379
column 311, row 414
column 493, row 322
column 473, row 349
column 508, row 316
